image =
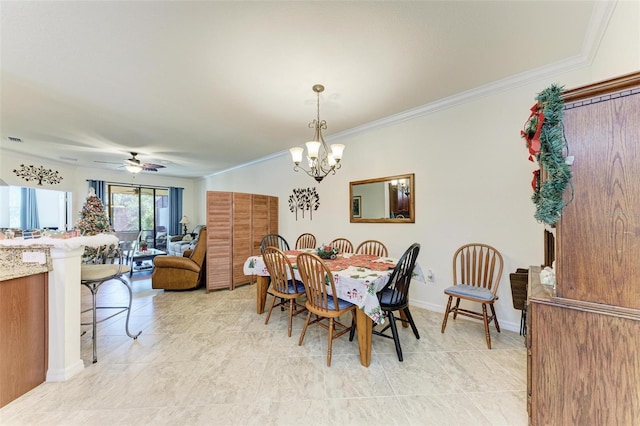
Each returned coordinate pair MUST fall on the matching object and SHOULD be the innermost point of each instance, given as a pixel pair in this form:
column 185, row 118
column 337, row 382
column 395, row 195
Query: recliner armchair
column 182, row 273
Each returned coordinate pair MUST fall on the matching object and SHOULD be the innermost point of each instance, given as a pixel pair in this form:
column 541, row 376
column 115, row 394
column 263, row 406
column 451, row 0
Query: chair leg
column 411, row 323
column 353, row 325
column 291, row 306
column 330, row 344
column 494, row 317
column 486, row 325
column 446, row 314
column 304, row 329
column 94, row 342
column 273, row 303
column 455, row 310
column 126, row 284
column 394, row 332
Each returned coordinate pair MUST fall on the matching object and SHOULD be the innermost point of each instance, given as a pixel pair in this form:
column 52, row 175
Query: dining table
column 358, row 278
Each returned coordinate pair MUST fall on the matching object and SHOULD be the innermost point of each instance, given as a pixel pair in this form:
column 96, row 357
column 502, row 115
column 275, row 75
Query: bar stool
column 103, row 268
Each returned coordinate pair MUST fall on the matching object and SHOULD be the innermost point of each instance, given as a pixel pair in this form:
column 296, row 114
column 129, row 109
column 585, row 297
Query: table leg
column 364, row 325
column 262, row 283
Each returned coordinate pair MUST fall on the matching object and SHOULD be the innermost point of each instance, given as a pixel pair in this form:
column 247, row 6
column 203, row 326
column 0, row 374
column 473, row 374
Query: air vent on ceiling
column 12, row 139
column 68, row 158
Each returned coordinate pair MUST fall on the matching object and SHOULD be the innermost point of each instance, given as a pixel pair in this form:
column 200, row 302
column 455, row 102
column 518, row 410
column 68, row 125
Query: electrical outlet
column 430, row 276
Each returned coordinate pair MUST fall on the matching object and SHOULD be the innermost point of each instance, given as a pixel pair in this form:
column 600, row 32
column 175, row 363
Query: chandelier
column 321, row 161
column 40, row 174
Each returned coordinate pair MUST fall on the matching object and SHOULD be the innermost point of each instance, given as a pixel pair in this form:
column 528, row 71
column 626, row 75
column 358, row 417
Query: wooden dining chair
column 284, row 286
column 342, row 244
column 319, row 286
column 305, row 241
column 477, row 269
column 374, row 247
column 274, row 240
column 395, row 297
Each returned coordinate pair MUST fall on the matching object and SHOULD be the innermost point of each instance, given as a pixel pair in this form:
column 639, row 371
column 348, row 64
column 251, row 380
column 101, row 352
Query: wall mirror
column 383, row 200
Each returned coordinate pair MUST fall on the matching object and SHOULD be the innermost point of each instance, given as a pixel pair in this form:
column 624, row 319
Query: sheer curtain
column 175, row 210
column 29, row 209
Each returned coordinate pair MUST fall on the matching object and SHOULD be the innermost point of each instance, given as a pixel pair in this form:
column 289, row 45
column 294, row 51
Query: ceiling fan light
column 132, row 168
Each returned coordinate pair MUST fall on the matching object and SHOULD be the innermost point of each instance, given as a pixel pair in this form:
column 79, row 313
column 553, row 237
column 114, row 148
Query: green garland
column 548, row 193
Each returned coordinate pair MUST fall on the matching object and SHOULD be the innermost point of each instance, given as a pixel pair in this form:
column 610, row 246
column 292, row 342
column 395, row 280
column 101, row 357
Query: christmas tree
column 93, row 217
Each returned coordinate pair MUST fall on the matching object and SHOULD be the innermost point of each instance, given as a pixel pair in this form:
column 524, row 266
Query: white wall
column 471, row 170
column 75, row 179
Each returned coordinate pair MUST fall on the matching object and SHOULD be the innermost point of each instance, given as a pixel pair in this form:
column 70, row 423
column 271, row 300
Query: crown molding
column 596, row 29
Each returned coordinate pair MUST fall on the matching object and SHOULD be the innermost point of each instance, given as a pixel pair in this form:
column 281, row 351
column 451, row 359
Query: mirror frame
column 412, row 200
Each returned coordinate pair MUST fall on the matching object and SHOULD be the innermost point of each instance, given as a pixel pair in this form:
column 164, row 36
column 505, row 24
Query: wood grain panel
column 590, row 378
column 599, row 232
column 273, row 215
column 242, row 245
column 219, row 240
column 23, row 335
column 260, row 225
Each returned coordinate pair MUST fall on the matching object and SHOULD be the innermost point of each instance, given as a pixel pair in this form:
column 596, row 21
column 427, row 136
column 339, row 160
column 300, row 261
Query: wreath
column 544, row 134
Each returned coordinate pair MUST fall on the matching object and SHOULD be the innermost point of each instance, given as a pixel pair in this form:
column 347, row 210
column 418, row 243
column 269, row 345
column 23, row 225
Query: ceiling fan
column 133, row 165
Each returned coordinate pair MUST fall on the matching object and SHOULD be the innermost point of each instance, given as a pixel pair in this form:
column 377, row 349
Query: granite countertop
column 20, row 257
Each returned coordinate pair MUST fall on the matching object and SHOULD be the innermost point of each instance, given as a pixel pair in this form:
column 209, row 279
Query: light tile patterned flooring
column 209, row 359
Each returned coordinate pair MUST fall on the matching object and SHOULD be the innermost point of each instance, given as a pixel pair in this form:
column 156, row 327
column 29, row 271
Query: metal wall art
column 40, row 174
column 304, row 199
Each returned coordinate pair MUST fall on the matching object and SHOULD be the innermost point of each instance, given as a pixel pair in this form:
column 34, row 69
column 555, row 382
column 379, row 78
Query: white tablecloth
column 355, row 284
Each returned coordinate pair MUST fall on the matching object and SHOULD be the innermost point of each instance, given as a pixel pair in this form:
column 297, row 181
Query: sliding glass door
column 133, row 209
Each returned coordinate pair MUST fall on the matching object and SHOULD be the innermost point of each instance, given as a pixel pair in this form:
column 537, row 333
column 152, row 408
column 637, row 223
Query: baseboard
column 506, row 325
column 64, row 374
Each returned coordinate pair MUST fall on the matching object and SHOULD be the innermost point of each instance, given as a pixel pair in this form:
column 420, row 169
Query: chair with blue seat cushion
column 395, row 297
column 342, row 244
column 373, row 247
column 274, row 240
column 306, row 241
column 477, row 269
column 319, row 285
column 284, row 286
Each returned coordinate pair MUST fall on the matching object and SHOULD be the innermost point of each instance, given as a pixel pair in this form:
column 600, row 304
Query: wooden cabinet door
column 219, row 240
column 242, row 243
column 599, row 231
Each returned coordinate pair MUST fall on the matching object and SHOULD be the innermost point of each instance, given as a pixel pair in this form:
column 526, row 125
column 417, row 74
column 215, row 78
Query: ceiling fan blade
column 152, row 166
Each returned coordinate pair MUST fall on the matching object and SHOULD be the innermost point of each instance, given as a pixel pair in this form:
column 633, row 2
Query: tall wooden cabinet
column 236, row 223
column 584, row 338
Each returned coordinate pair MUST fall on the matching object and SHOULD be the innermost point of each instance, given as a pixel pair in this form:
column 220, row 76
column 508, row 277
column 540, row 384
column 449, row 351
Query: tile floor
column 209, row 359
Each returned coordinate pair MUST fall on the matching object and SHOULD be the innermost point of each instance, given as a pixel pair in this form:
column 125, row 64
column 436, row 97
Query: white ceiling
column 204, row 86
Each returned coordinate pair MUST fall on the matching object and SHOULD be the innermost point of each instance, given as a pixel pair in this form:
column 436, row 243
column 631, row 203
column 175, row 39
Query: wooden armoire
column 236, row 223
column 584, row 339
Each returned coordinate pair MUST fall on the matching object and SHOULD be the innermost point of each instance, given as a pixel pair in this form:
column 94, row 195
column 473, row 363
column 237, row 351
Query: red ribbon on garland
column 533, row 142
column 536, row 180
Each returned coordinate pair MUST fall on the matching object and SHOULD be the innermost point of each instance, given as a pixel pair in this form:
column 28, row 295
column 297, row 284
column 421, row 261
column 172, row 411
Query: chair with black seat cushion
column 395, row 297
column 108, row 264
column 306, row 241
column 374, row 247
column 477, row 269
column 342, row 244
column 274, row 240
column 284, row 286
column 319, row 286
